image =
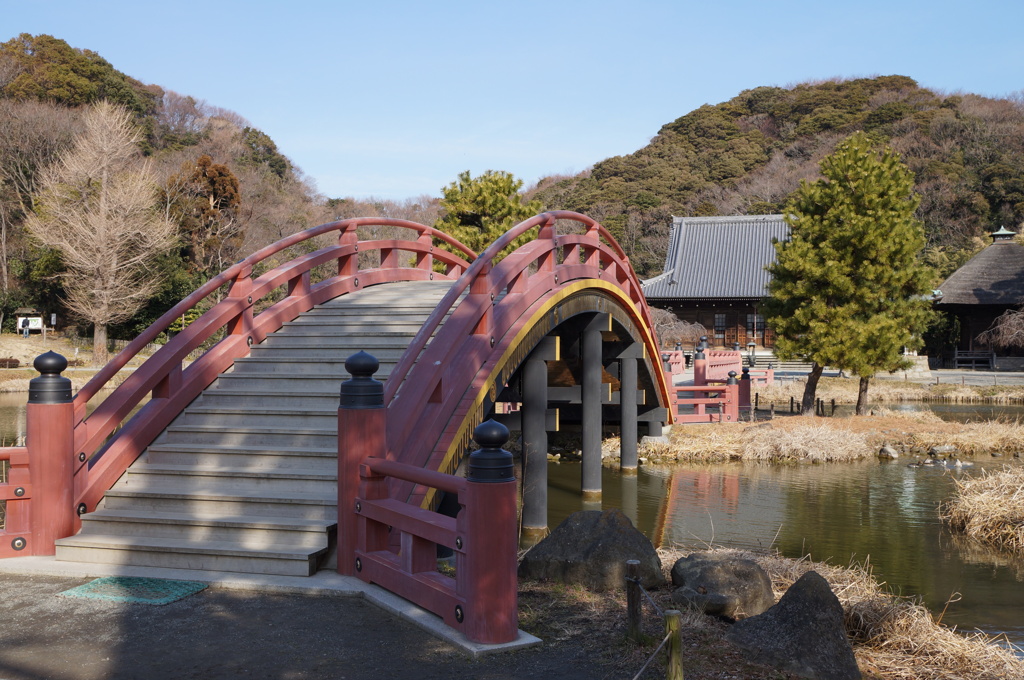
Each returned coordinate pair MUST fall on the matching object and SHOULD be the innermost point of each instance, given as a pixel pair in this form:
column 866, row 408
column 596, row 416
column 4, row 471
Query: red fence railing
column 450, row 366
column 99, row 455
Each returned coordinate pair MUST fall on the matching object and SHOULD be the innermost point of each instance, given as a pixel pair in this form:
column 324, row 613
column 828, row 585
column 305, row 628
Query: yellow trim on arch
column 571, row 289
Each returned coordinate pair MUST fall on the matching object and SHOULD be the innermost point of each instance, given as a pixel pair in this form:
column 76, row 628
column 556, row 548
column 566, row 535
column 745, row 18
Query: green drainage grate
column 136, row 589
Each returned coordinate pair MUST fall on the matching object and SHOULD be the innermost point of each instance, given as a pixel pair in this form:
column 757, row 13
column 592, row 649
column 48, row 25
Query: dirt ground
column 25, row 351
column 222, row 634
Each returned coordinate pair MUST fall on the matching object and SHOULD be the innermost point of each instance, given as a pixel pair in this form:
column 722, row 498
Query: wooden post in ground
column 673, row 625
column 633, row 602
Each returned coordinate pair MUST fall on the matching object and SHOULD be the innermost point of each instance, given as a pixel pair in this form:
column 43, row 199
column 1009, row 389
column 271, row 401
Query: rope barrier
column 653, row 654
column 644, row 592
column 674, row 661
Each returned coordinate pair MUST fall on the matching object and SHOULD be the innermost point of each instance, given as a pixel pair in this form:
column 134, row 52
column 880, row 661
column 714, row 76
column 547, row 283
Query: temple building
column 715, row 275
column 991, row 283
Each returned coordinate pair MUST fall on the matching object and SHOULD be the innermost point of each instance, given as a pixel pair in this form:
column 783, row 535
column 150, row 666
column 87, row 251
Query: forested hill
column 221, row 181
column 747, row 155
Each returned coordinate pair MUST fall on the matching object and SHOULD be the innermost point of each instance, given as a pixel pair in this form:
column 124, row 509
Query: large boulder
column 803, row 634
column 590, row 548
column 721, row 585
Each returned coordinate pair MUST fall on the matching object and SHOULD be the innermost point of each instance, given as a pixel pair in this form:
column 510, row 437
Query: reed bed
column 972, row 439
column 895, row 638
column 815, row 442
column 990, row 508
column 697, row 443
column 844, row 391
column 808, row 444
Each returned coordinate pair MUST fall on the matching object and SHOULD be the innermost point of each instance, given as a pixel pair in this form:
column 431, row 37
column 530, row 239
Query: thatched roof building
column 989, row 284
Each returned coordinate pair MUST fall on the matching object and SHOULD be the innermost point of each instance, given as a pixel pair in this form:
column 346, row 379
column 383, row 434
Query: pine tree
column 479, row 210
column 847, row 288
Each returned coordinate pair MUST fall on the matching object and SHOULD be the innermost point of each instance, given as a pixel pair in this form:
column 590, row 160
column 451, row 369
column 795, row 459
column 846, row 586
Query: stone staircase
column 245, row 479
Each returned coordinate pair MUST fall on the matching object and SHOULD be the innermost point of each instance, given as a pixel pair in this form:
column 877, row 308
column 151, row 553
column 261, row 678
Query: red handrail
column 103, row 455
column 427, row 397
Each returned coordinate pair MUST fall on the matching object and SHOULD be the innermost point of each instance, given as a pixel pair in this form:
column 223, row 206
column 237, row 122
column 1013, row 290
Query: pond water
column 12, row 415
column 881, row 513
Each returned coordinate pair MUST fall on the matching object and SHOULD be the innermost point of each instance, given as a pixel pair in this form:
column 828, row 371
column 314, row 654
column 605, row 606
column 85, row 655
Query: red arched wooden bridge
column 230, row 464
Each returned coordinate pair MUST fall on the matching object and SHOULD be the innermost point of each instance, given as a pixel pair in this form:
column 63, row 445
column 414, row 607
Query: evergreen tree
column 479, row 210
column 848, row 289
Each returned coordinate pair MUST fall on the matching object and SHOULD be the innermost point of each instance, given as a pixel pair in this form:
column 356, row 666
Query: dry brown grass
column 817, row 443
column 844, row 391
column 990, row 508
column 975, row 438
column 894, row 638
column 814, row 440
column 698, row 443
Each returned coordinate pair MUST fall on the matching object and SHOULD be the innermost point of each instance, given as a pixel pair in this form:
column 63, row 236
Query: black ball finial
column 490, row 463
column 50, row 387
column 50, row 363
column 362, row 365
column 362, row 391
column 490, row 434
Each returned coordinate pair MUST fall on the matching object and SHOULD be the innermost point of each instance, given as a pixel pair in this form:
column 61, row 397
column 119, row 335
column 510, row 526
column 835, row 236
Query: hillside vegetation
column 747, row 155
column 224, row 183
column 229, row 189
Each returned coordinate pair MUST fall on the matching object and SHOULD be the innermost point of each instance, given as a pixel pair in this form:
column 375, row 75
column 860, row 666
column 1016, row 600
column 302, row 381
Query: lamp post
column 751, row 357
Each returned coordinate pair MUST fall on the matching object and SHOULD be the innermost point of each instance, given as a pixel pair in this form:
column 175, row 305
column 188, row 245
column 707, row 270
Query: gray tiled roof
column 718, row 257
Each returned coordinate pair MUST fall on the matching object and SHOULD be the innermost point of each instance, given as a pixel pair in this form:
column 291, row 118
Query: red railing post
column 348, row 264
column 50, row 440
column 745, row 383
column 731, row 406
column 700, row 363
column 487, row 541
column 241, row 289
column 362, row 432
column 425, row 260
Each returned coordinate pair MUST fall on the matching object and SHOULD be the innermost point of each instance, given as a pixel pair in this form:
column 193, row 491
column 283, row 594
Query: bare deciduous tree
column 1006, row 331
column 670, row 329
column 32, row 135
column 97, row 207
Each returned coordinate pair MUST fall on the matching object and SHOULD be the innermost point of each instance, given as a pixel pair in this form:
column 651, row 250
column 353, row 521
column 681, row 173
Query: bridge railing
column 723, row 399
column 480, row 600
column 102, row 452
column 435, row 413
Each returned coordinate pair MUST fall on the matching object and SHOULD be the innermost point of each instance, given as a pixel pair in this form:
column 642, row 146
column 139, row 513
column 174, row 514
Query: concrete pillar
column 628, row 458
column 535, row 447
column 591, row 408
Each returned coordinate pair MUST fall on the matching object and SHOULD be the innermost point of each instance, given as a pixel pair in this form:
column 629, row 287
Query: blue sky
column 394, row 98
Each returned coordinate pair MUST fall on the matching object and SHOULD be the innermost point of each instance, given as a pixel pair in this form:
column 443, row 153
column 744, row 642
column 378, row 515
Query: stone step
column 279, row 383
column 252, row 416
column 245, row 478
column 228, row 480
column 304, row 366
column 343, row 344
column 214, row 504
column 172, row 553
column 242, row 398
column 246, row 457
column 260, row 438
column 254, row 534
